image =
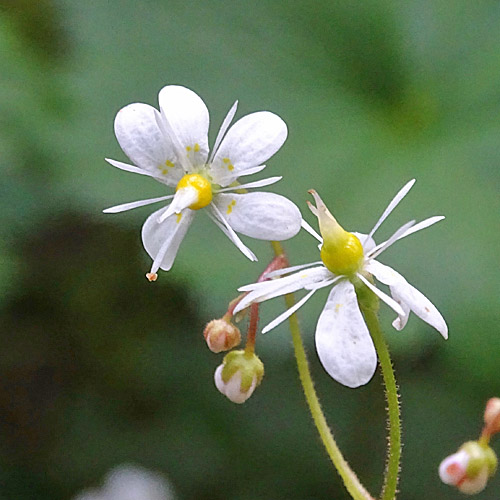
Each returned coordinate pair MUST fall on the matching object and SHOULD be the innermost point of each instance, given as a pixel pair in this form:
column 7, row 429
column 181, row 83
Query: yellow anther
column 168, row 163
column 230, row 207
column 188, row 148
column 178, row 217
column 196, row 147
column 230, row 167
column 226, row 160
column 341, row 252
column 202, row 187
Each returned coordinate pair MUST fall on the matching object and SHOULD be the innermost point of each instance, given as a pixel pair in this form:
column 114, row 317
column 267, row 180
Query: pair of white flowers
column 172, row 147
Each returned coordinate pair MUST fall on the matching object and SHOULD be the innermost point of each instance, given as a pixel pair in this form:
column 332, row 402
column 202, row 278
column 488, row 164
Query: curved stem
column 351, row 481
column 391, row 393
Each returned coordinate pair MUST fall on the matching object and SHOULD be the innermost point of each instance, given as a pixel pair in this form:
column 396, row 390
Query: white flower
column 172, row 147
column 343, row 341
column 128, row 482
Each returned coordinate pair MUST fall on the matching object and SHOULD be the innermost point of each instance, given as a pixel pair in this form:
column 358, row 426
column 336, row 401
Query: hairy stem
column 351, row 481
column 369, row 308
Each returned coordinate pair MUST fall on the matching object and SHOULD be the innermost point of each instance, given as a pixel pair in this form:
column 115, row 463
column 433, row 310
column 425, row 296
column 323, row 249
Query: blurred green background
column 98, row 367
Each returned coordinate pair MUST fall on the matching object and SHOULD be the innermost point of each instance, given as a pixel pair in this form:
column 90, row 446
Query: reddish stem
column 279, row 262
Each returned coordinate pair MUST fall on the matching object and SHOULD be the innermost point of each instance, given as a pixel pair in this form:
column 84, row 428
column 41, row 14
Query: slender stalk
column 351, row 481
column 252, row 328
column 278, row 262
column 392, row 469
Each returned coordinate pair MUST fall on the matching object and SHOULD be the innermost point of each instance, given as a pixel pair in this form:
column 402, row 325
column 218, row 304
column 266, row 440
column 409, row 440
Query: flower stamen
column 202, row 187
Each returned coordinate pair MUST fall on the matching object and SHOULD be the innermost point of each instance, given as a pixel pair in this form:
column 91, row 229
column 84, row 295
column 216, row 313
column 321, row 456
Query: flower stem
column 278, row 262
column 252, row 328
column 351, row 481
column 392, row 469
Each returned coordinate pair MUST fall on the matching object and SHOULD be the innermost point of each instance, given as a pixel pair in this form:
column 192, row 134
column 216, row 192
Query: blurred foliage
column 99, row 367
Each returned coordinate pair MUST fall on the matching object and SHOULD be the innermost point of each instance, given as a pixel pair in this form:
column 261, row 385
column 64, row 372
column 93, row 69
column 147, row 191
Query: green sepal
column 480, row 456
column 247, row 363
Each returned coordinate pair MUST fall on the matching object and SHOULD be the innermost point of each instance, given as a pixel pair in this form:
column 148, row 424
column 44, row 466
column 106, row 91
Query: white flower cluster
column 171, row 146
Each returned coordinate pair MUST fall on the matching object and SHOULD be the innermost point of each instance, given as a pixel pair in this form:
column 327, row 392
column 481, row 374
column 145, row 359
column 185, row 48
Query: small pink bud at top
column 221, row 335
column 453, row 468
column 492, row 416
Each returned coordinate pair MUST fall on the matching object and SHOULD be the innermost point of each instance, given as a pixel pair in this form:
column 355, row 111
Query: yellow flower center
column 343, row 254
column 202, row 186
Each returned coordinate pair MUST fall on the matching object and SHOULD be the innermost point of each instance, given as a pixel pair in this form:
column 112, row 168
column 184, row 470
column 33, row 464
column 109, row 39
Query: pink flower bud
column 492, row 415
column 221, row 335
column 469, row 468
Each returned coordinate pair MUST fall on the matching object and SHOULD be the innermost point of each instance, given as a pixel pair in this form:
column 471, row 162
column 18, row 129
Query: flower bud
column 469, row 468
column 492, row 416
column 221, row 335
column 238, row 376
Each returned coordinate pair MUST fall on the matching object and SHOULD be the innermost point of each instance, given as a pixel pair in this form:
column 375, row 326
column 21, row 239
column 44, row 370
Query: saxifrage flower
column 343, row 342
column 171, row 145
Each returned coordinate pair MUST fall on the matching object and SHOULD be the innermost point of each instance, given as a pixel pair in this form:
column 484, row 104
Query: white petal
column 292, row 269
column 223, row 129
column 375, row 251
column 343, row 342
column 274, row 288
column 162, row 240
column 145, row 144
column 383, row 296
column 400, row 322
column 282, row 317
column 421, row 225
column 129, row 482
column 222, row 223
column 265, row 216
column 311, row 231
column 407, row 294
column 249, row 185
column 249, row 142
column 135, row 204
column 232, row 389
column 131, row 168
column 402, row 233
column 392, row 205
column 187, row 115
column 229, row 178
column 323, row 284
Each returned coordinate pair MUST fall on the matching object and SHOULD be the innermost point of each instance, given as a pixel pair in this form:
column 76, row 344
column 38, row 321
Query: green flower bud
column 238, row 376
